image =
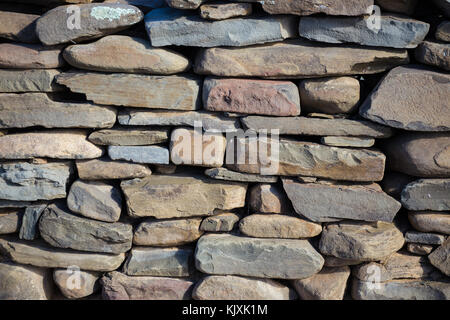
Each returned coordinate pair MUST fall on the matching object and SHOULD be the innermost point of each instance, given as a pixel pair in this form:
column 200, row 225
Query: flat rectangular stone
column 30, row 56
column 329, row 7
column 427, row 194
column 354, row 142
column 120, row 136
column 228, row 175
column 18, row 26
column 424, row 237
column 34, row 80
column 140, row 154
column 10, row 221
column 106, row 169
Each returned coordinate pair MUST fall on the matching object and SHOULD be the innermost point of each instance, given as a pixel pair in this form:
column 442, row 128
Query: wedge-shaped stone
column 37, row 109
column 394, row 31
column 140, row 154
column 361, row 241
column 161, row 262
column 225, row 174
column 241, row 288
column 222, row 11
column 87, row 283
column 41, row 255
column 427, row 194
column 297, row 59
column 277, row 98
column 429, row 221
column 34, row 80
column 96, row 20
column 118, row 286
column 317, row 127
column 355, row 202
column 30, row 222
column 167, row 27
column 329, row 7
column 129, row 136
column 18, row 26
column 353, row 142
column 434, row 54
column 30, row 56
column 440, row 258
column 10, row 221
column 125, row 54
column 167, row 232
column 328, row 284
column 307, row 159
column 175, row 196
column 159, row 92
column 22, row 181
column 223, row 222
column 268, row 198
column 263, row 258
column 58, row 144
column 410, row 98
column 106, row 169
column 209, row 121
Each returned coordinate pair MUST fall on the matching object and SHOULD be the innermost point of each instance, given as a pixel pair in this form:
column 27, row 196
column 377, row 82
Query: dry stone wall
column 191, row 149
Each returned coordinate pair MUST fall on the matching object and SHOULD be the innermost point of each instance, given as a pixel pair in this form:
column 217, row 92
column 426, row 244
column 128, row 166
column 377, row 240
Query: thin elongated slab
column 329, row 7
column 427, row 194
column 34, row 80
column 30, row 56
column 18, row 26
column 105, row 169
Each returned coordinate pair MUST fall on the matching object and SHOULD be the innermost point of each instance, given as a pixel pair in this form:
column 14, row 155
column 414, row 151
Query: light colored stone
column 140, row 154
column 34, row 80
column 353, row 142
column 30, row 221
column 222, row 11
column 241, row 288
column 129, row 136
column 429, row 221
column 268, row 198
column 356, row 202
column 434, row 54
column 158, row 92
column 228, row 175
column 18, row 26
column 84, row 286
column 419, row 249
column 163, row 196
column 424, row 237
column 185, row 4
column 167, row 232
column 443, row 31
column 30, row 56
column 223, row 254
column 427, row 194
column 223, row 222
column 105, row 169
column 10, row 221
column 440, row 258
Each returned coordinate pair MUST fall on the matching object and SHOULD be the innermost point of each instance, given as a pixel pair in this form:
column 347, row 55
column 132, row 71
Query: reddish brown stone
column 30, row 56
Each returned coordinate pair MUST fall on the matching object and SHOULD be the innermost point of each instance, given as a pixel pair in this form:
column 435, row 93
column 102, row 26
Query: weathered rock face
column 428, row 221
column 19, row 27
column 277, row 98
column 224, row 11
column 361, row 241
column 329, row 7
column 37, row 109
column 129, row 136
column 434, row 54
column 98, row 169
column 241, row 288
column 167, row 27
column 227, row 254
column 59, row 25
column 140, row 154
column 172, row 196
column 24, row 282
column 440, row 258
column 30, row 222
column 64, row 230
column 394, row 31
column 225, row 174
column 443, row 31
column 22, row 181
column 158, row 92
column 32, row 56
column 167, row 232
column 118, row 286
column 125, row 54
column 410, row 98
column 356, row 202
column 328, row 284
column 419, row 249
column 355, row 142
column 10, row 221
column 297, row 59
column 424, row 238
column 185, row 4
column 220, row 223
column 427, row 194
column 33, row 80
column 75, row 288
column 267, row 198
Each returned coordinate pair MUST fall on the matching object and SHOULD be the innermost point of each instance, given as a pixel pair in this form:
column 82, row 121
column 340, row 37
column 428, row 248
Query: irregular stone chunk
column 267, row 198
column 428, row 221
column 167, row 232
column 167, row 27
column 420, row 154
column 35, row 80
column 18, row 27
column 434, row 54
column 361, row 241
column 356, row 202
column 277, row 98
column 159, row 92
column 129, row 137
column 96, row 20
column 424, row 238
column 241, row 288
column 30, row 221
column 37, row 109
column 410, row 98
column 317, row 127
column 185, row 4
column 125, row 54
column 118, row 286
column 64, row 230
column 84, row 285
column 231, row 255
column 22, row 181
column 95, row 200
column 225, row 174
column 220, row 223
column 30, row 56
column 394, row 31
column 427, row 194
column 306, row 159
column 329, row 7
column 328, row 284
column 139, row 154
column 330, row 95
column 354, row 142
column 161, row 262
column 297, row 59
column 165, row 196
column 222, row 11
column 38, row 254
column 440, row 258
column 24, row 282
column 208, row 120
column 443, row 31
column 400, row 6
column 105, row 169
column 10, row 221
column 419, row 249
column 58, row 144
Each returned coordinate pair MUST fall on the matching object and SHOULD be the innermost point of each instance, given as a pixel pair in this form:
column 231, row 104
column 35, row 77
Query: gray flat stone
column 106, row 169
column 30, row 221
column 140, row 154
column 440, row 258
column 427, row 194
column 424, row 237
column 228, row 175
column 35, row 80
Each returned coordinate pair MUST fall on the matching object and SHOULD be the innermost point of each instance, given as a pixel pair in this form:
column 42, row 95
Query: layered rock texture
column 237, row 150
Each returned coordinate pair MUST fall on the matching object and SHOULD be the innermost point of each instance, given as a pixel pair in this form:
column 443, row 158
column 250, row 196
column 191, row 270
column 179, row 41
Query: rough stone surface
column 329, row 7
column 354, row 142
column 268, row 198
column 427, row 194
column 222, row 11
column 419, row 249
column 30, row 56
column 434, row 54
column 18, row 27
column 10, row 221
column 140, row 154
column 428, row 221
column 181, row 196
column 356, row 202
column 228, row 254
column 99, row 169
column 129, row 136
column 440, row 258
column 82, row 287
column 223, row 222
column 424, row 238
column 185, row 4
column 410, row 98
column 241, row 288
column 30, row 221
column 35, row 80
column 225, row 174
column 443, row 31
